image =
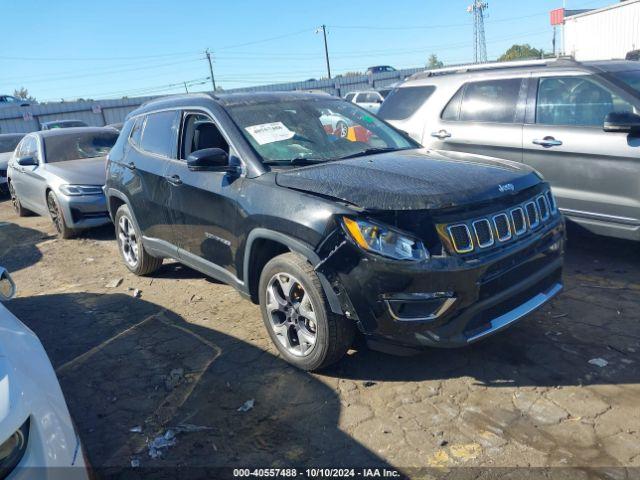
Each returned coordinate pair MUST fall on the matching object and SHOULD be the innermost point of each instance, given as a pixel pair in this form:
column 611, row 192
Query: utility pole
column 185, row 87
column 213, row 82
column 326, row 48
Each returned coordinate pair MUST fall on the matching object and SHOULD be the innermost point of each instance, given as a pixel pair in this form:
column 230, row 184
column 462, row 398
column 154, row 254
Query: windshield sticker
column 270, row 132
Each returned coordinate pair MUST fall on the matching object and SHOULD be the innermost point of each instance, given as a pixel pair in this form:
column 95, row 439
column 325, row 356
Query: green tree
column 23, row 94
column 433, row 62
column 521, row 52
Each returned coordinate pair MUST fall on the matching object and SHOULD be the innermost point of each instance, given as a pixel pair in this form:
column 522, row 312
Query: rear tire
column 17, row 206
column 130, row 245
column 57, row 217
column 296, row 313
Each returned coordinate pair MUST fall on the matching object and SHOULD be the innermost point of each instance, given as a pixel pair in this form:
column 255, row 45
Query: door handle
column 131, row 166
column 441, row 134
column 174, row 179
column 547, row 142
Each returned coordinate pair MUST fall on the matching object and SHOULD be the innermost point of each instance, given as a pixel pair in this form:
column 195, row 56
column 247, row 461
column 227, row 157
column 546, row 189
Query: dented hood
column 412, row 179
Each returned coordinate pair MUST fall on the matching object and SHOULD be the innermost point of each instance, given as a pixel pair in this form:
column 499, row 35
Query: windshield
column 630, row 77
column 314, row 130
column 75, row 146
column 9, row 143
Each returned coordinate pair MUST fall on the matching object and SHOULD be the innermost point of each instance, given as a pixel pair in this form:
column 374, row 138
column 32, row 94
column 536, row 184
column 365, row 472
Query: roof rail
column 474, row 67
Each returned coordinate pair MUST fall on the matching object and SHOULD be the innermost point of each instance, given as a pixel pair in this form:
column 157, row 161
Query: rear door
column 151, row 143
column 483, row 117
column 203, row 204
column 594, row 174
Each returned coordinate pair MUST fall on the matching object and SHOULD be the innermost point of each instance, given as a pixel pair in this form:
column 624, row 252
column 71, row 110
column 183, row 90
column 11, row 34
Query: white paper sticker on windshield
column 270, row 132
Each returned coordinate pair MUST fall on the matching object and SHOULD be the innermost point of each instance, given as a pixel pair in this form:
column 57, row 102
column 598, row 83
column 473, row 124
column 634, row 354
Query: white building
column 605, row 33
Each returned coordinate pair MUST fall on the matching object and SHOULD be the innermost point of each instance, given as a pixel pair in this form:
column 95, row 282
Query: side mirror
column 7, row 287
column 209, row 160
column 622, row 122
column 27, row 161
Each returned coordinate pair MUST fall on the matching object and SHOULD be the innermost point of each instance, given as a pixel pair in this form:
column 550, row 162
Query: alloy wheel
column 128, row 241
column 56, row 216
column 291, row 314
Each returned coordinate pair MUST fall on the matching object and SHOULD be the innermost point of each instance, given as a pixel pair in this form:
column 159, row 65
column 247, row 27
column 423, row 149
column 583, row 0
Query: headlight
column 385, row 240
column 12, row 450
column 75, row 190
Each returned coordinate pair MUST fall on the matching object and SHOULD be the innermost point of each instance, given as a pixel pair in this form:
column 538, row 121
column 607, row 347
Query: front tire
column 57, row 217
column 296, row 313
column 130, row 245
column 17, row 206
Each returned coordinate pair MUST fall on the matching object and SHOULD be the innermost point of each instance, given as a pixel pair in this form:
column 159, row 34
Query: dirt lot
column 191, row 351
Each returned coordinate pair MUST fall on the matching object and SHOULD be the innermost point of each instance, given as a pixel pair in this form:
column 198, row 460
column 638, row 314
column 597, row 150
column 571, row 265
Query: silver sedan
column 60, row 173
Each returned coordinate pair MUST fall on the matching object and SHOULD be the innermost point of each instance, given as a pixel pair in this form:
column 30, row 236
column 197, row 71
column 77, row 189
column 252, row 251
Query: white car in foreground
column 37, row 437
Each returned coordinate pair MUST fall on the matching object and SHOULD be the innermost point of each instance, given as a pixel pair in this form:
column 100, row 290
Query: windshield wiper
column 370, row 151
column 295, row 161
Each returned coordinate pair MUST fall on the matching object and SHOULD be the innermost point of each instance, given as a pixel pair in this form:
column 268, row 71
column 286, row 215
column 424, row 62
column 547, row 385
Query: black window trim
column 233, row 150
column 520, row 104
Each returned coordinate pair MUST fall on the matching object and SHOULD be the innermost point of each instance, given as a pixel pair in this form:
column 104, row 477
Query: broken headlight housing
column 384, row 240
column 75, row 190
column 12, row 450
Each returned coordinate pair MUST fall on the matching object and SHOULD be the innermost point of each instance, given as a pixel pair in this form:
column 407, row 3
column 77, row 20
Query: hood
column 412, row 179
column 88, row 171
column 4, row 160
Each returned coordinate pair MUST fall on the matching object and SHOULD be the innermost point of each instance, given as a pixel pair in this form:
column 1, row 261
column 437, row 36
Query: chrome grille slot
column 518, row 220
column 503, row 229
column 551, row 201
column 484, row 234
column 543, row 208
column 532, row 215
column 461, row 238
column 492, row 231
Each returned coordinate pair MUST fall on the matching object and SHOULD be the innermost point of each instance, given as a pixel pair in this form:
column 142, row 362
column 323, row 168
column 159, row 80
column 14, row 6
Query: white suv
column 369, row 100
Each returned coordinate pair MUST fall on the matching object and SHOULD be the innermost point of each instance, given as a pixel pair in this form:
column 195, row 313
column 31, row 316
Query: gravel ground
column 189, row 352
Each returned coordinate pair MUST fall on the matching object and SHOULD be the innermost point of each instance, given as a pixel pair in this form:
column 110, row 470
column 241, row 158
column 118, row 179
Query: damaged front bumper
column 446, row 301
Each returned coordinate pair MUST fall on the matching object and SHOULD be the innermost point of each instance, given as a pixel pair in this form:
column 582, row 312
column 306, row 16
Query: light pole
column 323, row 28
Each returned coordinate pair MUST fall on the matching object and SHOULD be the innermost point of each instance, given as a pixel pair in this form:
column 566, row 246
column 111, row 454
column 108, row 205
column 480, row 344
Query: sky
column 109, row 49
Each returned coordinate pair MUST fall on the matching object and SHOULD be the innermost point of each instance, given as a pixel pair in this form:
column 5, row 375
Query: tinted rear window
column 491, row 101
column 75, row 146
column 159, row 134
column 404, row 102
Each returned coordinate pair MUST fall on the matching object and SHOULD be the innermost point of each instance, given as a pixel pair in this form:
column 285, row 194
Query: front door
column 483, row 117
column 594, row 174
column 203, row 204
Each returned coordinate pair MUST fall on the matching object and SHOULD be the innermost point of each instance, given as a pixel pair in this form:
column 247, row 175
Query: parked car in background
column 37, row 436
column 60, row 173
column 62, row 124
column 380, row 69
column 633, row 55
column 11, row 101
column 329, row 234
column 8, row 143
column 370, row 99
column 578, row 123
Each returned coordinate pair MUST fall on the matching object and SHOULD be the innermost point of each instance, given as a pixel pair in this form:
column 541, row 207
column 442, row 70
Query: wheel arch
column 115, row 199
column 275, row 243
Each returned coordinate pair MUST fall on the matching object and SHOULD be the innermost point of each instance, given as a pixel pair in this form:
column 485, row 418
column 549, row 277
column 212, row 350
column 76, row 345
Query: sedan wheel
column 17, row 206
column 293, row 317
column 57, row 217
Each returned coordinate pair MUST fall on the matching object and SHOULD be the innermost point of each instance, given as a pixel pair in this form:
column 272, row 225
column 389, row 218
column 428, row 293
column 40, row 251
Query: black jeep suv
column 333, row 221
